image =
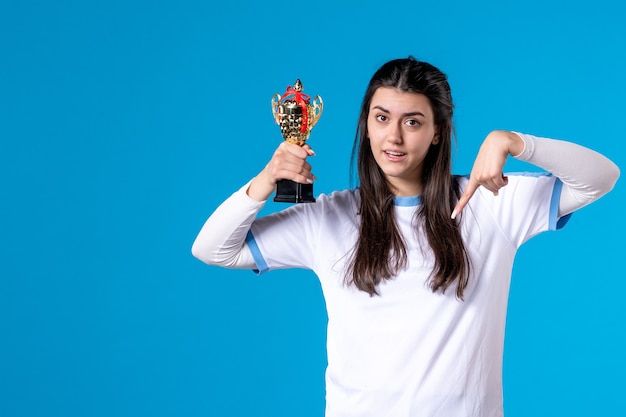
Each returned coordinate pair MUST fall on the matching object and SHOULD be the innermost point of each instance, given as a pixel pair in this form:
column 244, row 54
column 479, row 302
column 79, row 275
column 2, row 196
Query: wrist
column 260, row 187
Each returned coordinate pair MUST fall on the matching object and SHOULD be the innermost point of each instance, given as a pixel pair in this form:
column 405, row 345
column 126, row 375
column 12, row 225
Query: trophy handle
column 316, row 107
column 275, row 103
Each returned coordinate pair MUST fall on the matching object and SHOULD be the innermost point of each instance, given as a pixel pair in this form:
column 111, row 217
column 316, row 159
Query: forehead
column 396, row 101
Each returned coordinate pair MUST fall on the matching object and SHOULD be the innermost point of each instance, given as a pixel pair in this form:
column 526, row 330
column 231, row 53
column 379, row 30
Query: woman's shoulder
column 522, row 189
column 341, row 195
column 523, row 177
column 339, row 201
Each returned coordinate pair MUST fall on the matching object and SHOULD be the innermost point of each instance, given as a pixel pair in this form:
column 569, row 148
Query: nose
column 394, row 133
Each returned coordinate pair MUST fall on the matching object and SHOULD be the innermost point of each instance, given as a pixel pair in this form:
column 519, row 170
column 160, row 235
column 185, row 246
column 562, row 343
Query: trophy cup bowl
column 296, row 114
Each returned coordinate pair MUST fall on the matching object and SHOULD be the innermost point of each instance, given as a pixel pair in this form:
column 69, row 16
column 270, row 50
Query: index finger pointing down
column 469, row 191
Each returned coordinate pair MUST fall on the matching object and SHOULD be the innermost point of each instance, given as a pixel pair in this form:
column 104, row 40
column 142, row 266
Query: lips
column 395, row 156
column 394, row 153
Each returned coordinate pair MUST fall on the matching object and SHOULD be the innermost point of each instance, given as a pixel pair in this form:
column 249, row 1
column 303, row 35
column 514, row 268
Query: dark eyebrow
column 413, row 113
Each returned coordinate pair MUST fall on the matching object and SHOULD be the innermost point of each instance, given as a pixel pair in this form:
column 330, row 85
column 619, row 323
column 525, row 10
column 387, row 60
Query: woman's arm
column 221, row 240
column 586, row 174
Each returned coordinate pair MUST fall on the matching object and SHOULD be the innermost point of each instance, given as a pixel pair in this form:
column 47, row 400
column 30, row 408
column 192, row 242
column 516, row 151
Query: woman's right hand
column 288, row 163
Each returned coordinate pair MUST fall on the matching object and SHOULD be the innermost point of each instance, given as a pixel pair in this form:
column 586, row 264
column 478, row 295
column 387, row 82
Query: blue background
column 123, row 124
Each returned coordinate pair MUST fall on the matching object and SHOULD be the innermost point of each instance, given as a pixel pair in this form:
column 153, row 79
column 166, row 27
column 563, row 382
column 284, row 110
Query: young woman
column 415, row 263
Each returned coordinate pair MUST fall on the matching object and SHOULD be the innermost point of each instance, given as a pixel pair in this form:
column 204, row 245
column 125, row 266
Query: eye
column 413, row 123
column 381, row 118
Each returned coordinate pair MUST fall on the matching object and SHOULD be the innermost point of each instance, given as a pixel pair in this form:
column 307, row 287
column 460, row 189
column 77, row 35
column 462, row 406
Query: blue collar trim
column 412, row 201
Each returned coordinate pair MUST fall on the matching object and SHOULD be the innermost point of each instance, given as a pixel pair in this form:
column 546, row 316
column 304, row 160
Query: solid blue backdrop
column 123, row 124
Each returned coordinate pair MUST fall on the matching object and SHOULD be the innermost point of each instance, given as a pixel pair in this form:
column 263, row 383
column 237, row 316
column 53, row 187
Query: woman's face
column 401, row 129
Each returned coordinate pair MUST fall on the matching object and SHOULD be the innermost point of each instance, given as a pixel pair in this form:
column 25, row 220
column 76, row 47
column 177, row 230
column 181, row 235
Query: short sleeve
column 283, row 239
column 305, row 235
column 526, row 206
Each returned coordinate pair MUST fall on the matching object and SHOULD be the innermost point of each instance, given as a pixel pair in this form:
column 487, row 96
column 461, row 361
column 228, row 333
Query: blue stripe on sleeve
column 256, row 254
column 555, row 222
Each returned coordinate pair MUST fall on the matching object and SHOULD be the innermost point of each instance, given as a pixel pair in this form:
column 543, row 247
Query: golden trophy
column 296, row 114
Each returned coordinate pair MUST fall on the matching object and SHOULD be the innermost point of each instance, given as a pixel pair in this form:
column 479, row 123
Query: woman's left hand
column 488, row 165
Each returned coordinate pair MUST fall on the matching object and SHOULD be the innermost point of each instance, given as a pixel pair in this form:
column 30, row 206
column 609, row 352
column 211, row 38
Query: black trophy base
column 288, row 191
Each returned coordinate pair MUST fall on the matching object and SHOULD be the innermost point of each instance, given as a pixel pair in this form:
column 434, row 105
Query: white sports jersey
column 409, row 352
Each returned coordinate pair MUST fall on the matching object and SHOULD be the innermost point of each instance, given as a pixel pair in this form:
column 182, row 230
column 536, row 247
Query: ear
column 435, row 140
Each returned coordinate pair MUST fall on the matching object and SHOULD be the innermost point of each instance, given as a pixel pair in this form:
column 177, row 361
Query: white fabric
column 409, row 351
column 586, row 174
column 221, row 239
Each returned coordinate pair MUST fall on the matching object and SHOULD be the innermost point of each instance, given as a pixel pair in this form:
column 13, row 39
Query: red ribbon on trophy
column 302, row 100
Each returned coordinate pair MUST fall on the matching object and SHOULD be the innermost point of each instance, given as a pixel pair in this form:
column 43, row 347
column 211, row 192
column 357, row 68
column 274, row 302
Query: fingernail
column 309, row 180
column 311, row 152
column 454, row 213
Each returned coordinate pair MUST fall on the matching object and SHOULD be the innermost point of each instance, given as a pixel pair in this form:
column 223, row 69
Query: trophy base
column 288, row 191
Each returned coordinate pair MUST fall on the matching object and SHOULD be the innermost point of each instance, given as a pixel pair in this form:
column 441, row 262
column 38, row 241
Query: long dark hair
column 380, row 251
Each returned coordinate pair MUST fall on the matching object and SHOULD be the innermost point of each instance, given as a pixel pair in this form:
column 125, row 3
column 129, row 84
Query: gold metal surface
column 296, row 113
